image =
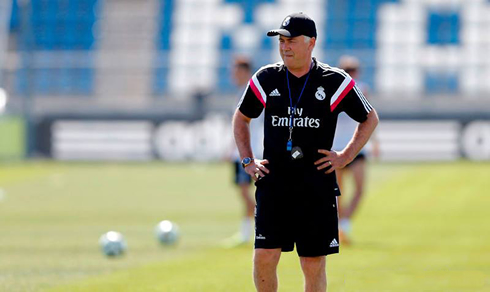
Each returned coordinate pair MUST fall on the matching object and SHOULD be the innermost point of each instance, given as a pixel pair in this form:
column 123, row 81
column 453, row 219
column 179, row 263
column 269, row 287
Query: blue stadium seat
column 225, row 81
column 66, row 81
column 163, row 44
column 160, row 74
column 444, row 27
column 350, row 28
column 57, row 25
column 441, row 82
column 165, row 24
column 15, row 17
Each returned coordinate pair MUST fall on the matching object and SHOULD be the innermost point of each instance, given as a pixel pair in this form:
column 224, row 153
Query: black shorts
column 287, row 215
column 241, row 177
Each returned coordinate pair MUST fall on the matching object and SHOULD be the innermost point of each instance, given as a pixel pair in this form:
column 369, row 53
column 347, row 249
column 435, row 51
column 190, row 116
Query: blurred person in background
column 296, row 184
column 242, row 71
column 357, row 168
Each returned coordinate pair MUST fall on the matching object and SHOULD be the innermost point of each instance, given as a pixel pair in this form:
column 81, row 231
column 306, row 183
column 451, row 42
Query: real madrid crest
column 286, row 21
column 320, row 93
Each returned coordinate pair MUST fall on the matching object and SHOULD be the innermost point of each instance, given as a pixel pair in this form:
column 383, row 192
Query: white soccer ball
column 112, row 244
column 167, row 232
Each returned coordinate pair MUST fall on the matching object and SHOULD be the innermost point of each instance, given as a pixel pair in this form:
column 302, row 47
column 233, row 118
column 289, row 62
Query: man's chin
column 288, row 61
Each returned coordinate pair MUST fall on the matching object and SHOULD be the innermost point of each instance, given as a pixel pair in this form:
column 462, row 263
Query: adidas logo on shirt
column 275, row 92
column 334, row 243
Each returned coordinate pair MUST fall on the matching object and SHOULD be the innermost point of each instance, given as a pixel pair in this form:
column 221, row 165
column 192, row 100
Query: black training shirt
column 328, row 92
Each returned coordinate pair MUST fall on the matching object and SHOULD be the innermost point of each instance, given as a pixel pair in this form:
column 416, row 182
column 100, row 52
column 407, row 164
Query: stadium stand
column 402, row 44
column 147, row 59
column 54, row 27
column 351, row 28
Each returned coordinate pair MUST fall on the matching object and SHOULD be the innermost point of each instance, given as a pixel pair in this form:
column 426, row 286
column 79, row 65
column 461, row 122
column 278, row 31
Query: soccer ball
column 167, row 232
column 112, row 244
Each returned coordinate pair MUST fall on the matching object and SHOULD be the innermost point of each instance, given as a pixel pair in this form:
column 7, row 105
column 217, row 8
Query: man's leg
column 248, row 200
column 315, row 273
column 340, row 182
column 265, row 269
column 343, row 221
column 358, row 172
column 244, row 235
column 248, row 218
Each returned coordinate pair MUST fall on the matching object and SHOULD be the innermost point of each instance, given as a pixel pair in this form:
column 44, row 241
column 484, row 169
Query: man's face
column 295, row 52
column 240, row 75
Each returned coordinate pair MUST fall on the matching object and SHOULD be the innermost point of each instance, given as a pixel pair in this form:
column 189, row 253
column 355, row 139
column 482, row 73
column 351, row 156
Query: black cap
column 295, row 24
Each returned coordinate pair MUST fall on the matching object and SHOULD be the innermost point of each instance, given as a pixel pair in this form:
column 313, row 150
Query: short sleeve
column 355, row 105
column 348, row 97
column 254, row 99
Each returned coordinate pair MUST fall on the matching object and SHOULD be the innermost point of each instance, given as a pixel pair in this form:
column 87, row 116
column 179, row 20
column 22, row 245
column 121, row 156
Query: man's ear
column 312, row 42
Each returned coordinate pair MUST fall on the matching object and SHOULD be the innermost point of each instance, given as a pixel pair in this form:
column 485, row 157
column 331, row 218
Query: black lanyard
column 289, row 145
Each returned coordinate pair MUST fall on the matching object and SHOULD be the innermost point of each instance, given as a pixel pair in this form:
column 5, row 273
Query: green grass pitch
column 422, row 227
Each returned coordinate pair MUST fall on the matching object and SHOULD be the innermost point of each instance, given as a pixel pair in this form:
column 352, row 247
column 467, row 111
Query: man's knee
column 264, row 256
column 313, row 263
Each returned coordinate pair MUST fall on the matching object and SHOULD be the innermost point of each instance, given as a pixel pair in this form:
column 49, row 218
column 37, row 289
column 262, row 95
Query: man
column 242, row 70
column 296, row 184
column 345, row 129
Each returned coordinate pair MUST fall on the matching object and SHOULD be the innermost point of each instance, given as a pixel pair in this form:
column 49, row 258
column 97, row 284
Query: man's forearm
column 241, row 132
column 361, row 136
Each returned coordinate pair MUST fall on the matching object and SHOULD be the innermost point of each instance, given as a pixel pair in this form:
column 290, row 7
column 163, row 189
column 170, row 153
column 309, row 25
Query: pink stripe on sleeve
column 256, row 91
column 342, row 95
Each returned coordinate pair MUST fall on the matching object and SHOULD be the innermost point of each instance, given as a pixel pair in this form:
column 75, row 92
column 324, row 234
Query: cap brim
column 280, row 31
